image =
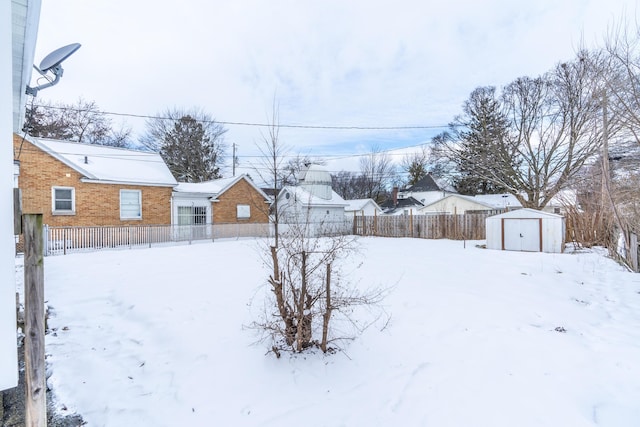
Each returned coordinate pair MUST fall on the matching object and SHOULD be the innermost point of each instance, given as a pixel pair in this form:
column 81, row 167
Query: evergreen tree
column 190, row 153
column 483, row 131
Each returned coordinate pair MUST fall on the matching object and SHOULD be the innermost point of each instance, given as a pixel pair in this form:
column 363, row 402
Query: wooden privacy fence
column 443, row 226
column 64, row 240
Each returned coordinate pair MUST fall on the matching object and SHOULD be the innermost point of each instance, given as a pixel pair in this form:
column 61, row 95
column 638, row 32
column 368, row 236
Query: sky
column 375, row 63
column 161, row 337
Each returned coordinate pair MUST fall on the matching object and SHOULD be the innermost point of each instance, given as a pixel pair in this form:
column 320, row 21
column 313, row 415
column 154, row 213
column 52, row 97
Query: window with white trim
column 130, row 204
column 192, row 215
column 63, row 200
column 243, row 211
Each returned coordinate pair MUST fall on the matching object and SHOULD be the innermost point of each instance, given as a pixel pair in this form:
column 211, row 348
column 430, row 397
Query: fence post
column 35, row 375
column 633, row 251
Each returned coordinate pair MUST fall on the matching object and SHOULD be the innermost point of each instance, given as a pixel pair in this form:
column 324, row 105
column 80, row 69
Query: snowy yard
column 156, row 337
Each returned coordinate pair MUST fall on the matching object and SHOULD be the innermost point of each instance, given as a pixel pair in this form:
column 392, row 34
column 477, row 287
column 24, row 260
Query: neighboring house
column 360, row 207
column 427, row 190
column 397, row 206
column 455, row 204
column 312, row 200
column 459, row 204
column 220, row 201
column 74, row 184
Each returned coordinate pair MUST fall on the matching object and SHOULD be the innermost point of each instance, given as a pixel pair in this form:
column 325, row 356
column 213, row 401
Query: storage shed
column 526, row 230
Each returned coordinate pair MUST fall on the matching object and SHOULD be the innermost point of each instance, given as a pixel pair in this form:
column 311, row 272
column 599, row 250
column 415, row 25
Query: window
column 130, row 204
column 190, row 215
column 63, row 200
column 243, row 211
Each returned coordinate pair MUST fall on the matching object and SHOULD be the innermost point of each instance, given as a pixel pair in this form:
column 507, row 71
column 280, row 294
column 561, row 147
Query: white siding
column 8, row 352
column 453, row 205
column 552, row 231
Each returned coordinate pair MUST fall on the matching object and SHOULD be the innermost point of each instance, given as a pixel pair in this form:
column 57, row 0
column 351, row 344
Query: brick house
column 235, row 200
column 74, row 184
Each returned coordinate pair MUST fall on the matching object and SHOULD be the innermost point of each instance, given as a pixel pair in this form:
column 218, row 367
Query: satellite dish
column 56, row 57
column 53, row 63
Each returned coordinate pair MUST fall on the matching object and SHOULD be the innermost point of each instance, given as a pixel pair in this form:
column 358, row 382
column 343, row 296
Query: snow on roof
column 306, row 198
column 526, row 213
column 498, row 201
column 359, row 204
column 109, row 164
column 460, row 196
column 215, row 186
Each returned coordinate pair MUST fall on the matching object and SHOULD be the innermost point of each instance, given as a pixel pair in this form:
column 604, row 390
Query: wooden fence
column 442, row 226
column 64, row 240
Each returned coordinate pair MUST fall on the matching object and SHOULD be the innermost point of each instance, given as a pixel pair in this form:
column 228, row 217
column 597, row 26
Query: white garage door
column 522, row 235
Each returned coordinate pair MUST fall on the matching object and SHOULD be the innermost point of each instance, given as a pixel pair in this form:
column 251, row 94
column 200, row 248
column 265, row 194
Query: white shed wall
column 553, row 229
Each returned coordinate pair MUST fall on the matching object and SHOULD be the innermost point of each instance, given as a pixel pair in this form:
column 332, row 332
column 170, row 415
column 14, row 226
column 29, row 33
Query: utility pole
column 607, row 197
column 234, row 159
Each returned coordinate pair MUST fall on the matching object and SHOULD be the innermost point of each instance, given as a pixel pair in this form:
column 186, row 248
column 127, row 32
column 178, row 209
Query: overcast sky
column 327, row 63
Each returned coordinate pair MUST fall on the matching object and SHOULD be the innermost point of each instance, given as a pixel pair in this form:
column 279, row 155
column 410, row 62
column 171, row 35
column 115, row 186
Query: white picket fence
column 65, row 240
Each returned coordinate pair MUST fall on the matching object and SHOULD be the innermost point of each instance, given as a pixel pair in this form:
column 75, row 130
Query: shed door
column 522, row 234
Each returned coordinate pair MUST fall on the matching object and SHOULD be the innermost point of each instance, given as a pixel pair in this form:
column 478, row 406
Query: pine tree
column 190, row 153
column 484, row 128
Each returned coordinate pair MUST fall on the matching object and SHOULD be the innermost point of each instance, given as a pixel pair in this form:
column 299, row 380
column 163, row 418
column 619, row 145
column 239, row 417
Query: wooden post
column 633, row 251
column 35, row 376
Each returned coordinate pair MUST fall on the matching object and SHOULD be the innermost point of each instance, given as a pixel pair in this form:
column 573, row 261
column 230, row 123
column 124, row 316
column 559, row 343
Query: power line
column 254, row 124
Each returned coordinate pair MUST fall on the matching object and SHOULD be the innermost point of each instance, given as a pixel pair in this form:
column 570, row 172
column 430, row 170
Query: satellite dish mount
column 53, row 63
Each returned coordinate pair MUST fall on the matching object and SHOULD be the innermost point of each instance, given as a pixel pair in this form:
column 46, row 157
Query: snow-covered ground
column 157, row 337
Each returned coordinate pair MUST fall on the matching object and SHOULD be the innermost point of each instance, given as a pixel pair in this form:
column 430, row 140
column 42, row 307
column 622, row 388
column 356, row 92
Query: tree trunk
column 304, row 317
column 327, row 313
column 278, row 289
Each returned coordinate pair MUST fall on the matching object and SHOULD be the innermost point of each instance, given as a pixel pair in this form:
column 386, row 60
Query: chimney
column 395, row 196
column 86, row 160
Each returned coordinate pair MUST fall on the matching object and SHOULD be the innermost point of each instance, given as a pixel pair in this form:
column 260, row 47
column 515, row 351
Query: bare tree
column 81, row 122
column 379, row 171
column 350, row 185
column 622, row 45
column 271, row 165
column 416, row 165
column 308, row 290
column 554, row 128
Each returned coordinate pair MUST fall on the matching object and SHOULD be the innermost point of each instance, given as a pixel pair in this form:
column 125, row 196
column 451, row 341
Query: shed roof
column 109, row 164
column 526, row 213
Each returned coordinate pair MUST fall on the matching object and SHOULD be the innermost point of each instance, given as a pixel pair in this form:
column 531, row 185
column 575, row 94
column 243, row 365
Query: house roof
column 459, row 196
column 409, row 202
column 497, row 201
column 427, row 183
column 108, row 164
column 359, row 204
column 306, row 198
column 216, row 187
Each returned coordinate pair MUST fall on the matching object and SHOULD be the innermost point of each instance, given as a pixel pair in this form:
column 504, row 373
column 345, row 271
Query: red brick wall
column 96, row 204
